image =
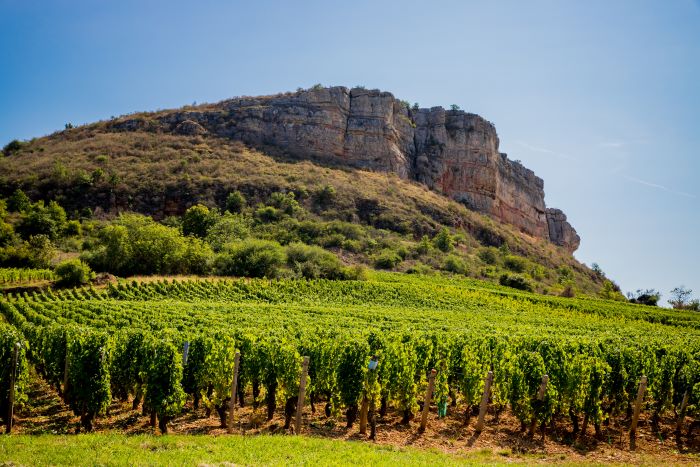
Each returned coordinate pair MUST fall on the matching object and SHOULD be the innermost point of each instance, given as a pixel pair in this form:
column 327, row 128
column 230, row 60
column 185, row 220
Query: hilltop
column 352, row 155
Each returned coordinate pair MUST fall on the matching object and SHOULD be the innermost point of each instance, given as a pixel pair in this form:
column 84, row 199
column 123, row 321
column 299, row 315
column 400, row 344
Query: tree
column 443, row 241
column 18, row 202
column 649, row 297
column 197, row 221
column 680, row 297
column 454, row 107
column 73, row 272
column 235, row 202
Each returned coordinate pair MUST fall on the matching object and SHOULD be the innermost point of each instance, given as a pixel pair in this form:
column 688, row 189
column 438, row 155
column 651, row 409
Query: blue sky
column 600, row 98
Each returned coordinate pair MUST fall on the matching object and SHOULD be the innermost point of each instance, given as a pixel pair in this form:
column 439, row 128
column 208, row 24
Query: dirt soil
column 46, row 413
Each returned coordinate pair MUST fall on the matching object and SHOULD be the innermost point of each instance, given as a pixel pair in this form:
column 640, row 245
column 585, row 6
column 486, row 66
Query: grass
column 116, row 449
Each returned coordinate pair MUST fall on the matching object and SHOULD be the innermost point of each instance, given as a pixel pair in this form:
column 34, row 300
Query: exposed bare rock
column 189, row 128
column 450, row 151
column 560, row 231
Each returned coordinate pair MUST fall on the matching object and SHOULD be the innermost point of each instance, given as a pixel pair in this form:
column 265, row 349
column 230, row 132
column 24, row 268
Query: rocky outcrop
column 560, row 231
column 450, row 151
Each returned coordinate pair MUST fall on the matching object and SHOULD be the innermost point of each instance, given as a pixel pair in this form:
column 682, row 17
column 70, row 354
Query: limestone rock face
column 560, row 231
column 450, row 151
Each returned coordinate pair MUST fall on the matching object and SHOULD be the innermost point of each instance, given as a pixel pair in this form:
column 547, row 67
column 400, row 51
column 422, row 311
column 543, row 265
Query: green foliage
column 12, row 147
column 455, row 264
column 197, row 221
column 387, row 259
column 18, row 202
column 444, row 241
column 235, row 202
column 136, row 245
column 73, row 228
column 9, row 338
column 285, row 203
column 73, row 272
column 515, row 281
column 489, row 255
column 228, row 228
column 43, row 220
column 163, row 376
column 313, row 262
column 88, row 391
column 250, row 258
column 515, row 263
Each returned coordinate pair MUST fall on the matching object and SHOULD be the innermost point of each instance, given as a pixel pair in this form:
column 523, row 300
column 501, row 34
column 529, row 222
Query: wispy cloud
column 545, row 151
column 659, row 187
column 619, row 144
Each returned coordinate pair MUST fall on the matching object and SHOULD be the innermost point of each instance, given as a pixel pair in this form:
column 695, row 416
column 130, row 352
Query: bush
column 387, row 259
column 455, row 264
column 73, row 228
column 197, row 221
column 285, row 202
column 489, row 255
column 235, row 202
column 515, row 281
column 268, row 214
column 251, row 258
column 12, row 147
column 135, row 244
column 313, row 262
column 18, row 202
column 424, row 246
column 228, row 228
column 443, row 241
column 43, row 220
column 73, row 273
column 515, row 263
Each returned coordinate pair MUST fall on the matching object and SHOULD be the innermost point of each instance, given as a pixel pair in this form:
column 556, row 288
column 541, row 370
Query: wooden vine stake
column 13, row 375
column 484, row 402
column 234, row 389
column 426, row 401
column 302, row 395
column 681, row 414
column 540, row 396
column 637, row 410
column 363, row 415
column 65, row 377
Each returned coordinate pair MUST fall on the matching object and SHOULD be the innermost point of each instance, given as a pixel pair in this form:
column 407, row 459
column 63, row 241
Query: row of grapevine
column 11, row 276
column 128, row 343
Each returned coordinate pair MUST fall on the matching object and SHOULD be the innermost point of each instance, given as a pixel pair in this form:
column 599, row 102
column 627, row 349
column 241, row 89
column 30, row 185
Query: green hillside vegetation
column 250, row 203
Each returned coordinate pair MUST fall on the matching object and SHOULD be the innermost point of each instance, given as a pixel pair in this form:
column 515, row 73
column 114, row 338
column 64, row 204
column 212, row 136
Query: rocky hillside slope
column 450, row 151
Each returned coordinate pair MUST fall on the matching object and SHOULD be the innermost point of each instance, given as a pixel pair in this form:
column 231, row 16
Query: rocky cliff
column 451, row 151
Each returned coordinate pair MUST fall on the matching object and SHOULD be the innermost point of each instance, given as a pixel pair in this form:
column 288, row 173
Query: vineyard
column 12, row 276
column 371, row 348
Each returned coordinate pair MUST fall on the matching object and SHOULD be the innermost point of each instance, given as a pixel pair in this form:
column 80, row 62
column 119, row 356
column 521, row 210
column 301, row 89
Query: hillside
column 151, row 164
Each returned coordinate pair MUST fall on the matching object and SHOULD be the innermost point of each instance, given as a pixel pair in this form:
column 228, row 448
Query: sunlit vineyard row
column 127, row 342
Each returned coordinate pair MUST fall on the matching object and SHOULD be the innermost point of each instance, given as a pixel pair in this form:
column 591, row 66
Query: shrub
column 387, row 259
column 12, row 147
column 228, row 228
column 285, row 202
column 489, row 255
column 443, row 241
column 73, row 228
column 251, row 258
column 515, row 281
column 135, row 244
column 424, row 246
column 515, row 263
column 73, row 273
column 18, row 202
column 235, row 202
column 455, row 264
column 43, row 220
column 197, row 221
column 313, row 262
column 268, row 214
column 325, row 196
